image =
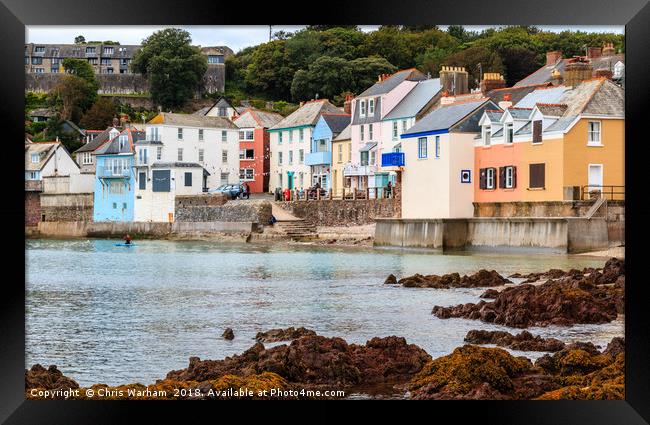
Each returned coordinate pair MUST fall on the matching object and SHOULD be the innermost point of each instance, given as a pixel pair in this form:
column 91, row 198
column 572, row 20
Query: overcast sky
column 235, row 37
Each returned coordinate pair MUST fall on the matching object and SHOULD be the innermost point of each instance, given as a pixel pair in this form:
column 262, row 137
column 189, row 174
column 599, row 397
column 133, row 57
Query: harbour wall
column 559, row 235
column 343, row 212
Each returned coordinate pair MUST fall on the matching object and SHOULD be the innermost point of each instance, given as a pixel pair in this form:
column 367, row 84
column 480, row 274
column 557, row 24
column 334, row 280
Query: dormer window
column 362, row 104
column 487, row 135
column 509, row 131
column 123, row 139
column 35, row 158
column 371, row 107
column 108, row 50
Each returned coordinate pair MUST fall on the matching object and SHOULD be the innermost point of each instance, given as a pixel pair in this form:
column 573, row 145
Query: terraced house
column 320, row 157
column 291, row 140
column 560, row 143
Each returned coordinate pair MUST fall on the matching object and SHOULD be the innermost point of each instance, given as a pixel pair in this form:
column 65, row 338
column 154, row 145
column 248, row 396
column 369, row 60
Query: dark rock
column 524, row 341
column 288, row 334
column 228, row 334
column 615, row 347
column 490, row 294
column 482, row 278
column 390, row 280
column 47, row 379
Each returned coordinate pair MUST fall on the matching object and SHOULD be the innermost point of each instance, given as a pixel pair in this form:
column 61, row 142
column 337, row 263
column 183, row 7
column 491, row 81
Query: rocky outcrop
column 482, row 278
column 524, row 341
column 288, row 334
column 228, row 334
column 490, row 294
column 593, row 298
column 578, row 371
column 47, row 379
column 390, row 280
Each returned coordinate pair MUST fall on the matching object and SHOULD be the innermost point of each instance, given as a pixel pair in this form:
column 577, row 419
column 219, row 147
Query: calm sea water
column 107, row 314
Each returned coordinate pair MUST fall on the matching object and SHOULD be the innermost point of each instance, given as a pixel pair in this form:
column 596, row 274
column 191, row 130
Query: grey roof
column 79, row 50
column 516, row 93
column 552, row 109
column 561, row 124
column 393, row 81
column 542, row 95
column 192, row 120
column 498, row 133
column 416, row 99
column 99, row 140
column 598, row 96
column 44, row 150
column 520, row 113
column 368, row 146
column 203, row 110
column 543, row 74
column 336, row 122
column 444, row 117
column 42, row 112
column 255, row 118
column 307, row 114
column 113, row 147
column 526, row 129
column 346, row 134
column 494, row 116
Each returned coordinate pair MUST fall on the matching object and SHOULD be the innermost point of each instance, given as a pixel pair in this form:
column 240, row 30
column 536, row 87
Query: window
column 594, row 133
column 301, row 179
column 373, row 156
column 39, row 70
column 109, row 70
column 200, row 155
column 90, row 50
column 92, row 61
column 248, row 135
column 180, row 154
column 370, row 132
column 489, row 178
column 158, row 153
column 123, row 140
column 301, row 135
column 507, row 177
column 55, row 61
column 301, row 156
column 437, row 147
column 86, row 158
column 39, row 49
column 509, row 133
column 279, row 158
column 37, row 61
column 340, row 153
column 224, row 178
column 224, row 136
column 290, row 157
column 537, row 131
column 362, row 104
column 487, row 135
column 247, row 154
column 215, row 59
column 34, row 175
column 246, row 174
column 222, row 111
column 224, row 156
column 188, row 179
column 180, row 134
column 143, row 157
column 200, row 134
column 116, row 188
column 371, row 107
column 394, row 130
column 537, row 176
column 290, row 136
column 349, row 151
column 142, row 181
column 36, row 158
column 404, row 126
column 152, row 134
column 106, row 61
column 124, row 62
column 108, row 50
column 364, row 157
column 422, row 147
column 54, row 70
column 362, row 132
column 279, row 137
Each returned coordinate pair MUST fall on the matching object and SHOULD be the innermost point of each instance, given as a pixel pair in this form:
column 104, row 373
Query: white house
column 47, row 159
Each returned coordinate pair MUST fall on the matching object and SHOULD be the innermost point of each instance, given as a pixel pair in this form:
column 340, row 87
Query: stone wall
column 615, row 209
column 206, row 208
column 339, row 212
column 63, row 207
column 32, row 208
column 108, row 83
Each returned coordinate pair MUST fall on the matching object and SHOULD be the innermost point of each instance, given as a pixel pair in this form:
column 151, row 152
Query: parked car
column 232, row 191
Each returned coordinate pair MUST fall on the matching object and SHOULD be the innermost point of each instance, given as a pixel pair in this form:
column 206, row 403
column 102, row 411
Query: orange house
column 564, row 143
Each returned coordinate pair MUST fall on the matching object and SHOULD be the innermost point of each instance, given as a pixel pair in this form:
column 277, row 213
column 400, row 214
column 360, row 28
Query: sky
column 236, row 37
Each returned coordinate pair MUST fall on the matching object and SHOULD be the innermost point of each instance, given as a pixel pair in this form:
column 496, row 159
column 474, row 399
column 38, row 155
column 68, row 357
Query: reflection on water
column 114, row 315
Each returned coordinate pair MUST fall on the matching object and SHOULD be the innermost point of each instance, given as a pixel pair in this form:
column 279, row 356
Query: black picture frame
column 634, row 14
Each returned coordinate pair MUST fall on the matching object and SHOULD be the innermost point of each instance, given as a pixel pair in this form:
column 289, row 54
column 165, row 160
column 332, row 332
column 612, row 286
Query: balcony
column 111, row 173
column 359, row 170
column 392, row 159
column 318, row 158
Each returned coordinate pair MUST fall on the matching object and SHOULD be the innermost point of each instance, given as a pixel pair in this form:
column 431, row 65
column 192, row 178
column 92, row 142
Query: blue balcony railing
column 392, row 159
column 109, row 172
column 318, row 158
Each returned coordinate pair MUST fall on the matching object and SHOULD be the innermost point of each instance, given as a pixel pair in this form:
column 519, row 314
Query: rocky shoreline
column 391, row 367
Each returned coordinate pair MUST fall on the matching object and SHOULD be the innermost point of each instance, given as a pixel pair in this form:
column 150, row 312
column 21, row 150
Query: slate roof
column 552, row 109
column 113, row 147
column 542, row 95
column 526, row 129
column 256, row 118
column 444, row 117
column 543, row 74
column 346, row 134
column 192, row 120
column 45, row 150
column 308, row 114
column 79, row 50
column 516, row 93
column 520, row 113
column 416, row 99
column 42, row 112
column 393, row 81
column 597, row 96
column 494, row 116
column 99, row 140
column 336, row 122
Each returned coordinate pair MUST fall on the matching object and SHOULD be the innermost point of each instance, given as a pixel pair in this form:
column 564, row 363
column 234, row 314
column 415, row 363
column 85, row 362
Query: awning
column 368, row 146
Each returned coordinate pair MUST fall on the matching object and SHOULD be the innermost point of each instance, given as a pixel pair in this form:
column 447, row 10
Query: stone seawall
column 561, row 235
column 338, row 212
column 615, row 209
column 65, row 207
column 207, row 208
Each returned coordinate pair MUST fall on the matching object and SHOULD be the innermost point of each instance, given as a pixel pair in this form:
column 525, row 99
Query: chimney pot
column 552, row 57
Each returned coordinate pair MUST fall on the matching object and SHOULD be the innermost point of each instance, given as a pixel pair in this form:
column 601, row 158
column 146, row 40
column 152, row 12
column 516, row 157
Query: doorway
column 595, row 178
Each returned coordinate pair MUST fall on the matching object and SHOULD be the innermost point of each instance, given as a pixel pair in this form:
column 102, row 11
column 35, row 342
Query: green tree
column 73, row 96
column 519, row 63
column 173, row 67
column 270, row 72
column 80, row 39
column 82, row 69
column 100, row 115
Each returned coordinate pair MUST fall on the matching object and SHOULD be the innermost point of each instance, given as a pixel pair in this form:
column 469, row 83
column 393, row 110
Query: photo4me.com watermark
column 196, row 393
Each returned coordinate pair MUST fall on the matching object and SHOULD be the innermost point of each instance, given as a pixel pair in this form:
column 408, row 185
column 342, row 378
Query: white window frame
column 370, row 132
column 279, row 137
column 371, row 107
column 290, row 157
column 224, row 136
column 510, row 173
column 290, row 136
column 490, row 178
column 224, row 156
column 422, row 148
column 395, row 135
column 179, row 133
column 180, row 154
column 201, row 155
column 201, row 135
column 301, row 156
column 361, row 135
column 509, row 133
column 487, row 135
column 591, row 140
column 362, row 107
column 36, row 158
column 301, row 135
column 437, row 147
column 158, row 153
column 279, row 158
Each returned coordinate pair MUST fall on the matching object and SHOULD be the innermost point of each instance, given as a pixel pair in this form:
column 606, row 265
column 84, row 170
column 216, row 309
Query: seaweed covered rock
column 524, row 341
column 288, row 334
column 391, row 280
column 228, row 334
column 490, row 294
column 482, row 278
column 47, row 379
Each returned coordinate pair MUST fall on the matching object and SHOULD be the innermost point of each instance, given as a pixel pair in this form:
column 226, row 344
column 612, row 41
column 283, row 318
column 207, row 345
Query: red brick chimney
column 594, row 52
column 552, row 57
column 347, row 105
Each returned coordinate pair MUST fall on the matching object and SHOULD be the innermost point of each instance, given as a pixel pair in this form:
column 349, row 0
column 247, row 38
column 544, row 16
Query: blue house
column 328, row 126
column 115, row 178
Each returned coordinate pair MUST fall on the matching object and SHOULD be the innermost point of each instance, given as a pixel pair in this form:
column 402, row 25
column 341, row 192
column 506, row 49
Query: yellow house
column 341, row 155
column 571, row 145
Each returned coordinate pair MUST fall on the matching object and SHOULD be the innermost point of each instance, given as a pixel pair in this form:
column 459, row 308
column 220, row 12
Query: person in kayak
column 127, row 239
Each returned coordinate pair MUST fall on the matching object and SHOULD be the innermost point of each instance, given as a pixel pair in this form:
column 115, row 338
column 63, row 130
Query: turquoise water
column 109, row 314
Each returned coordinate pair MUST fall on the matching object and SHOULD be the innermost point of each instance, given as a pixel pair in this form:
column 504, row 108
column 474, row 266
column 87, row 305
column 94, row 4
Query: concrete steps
column 298, row 230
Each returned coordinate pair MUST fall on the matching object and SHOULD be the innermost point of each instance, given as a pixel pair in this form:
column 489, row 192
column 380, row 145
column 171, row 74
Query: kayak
column 124, row 244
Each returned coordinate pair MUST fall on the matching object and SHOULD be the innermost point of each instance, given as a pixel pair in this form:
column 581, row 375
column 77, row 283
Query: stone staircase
column 297, row 230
